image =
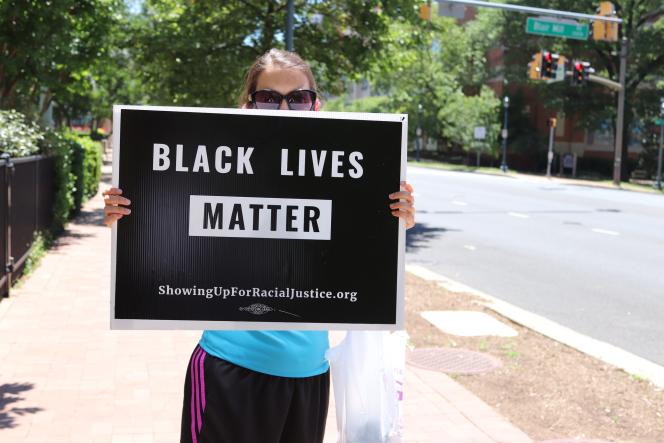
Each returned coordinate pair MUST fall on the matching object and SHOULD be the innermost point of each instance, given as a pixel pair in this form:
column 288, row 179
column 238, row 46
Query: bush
column 78, row 171
column 57, row 145
column 86, row 165
column 18, row 136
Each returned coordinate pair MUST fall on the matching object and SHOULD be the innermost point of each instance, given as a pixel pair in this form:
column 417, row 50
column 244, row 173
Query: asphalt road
column 587, row 258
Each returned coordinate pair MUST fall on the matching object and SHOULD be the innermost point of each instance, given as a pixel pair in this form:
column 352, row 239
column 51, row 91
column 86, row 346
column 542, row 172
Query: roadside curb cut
column 610, row 354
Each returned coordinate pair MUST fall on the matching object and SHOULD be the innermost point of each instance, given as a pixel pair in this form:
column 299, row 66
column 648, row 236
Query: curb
column 544, row 179
column 607, row 353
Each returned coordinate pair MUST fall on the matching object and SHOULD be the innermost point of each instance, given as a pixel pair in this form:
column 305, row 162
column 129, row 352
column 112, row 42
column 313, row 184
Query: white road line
column 605, row 231
column 460, row 203
column 518, row 214
column 470, row 247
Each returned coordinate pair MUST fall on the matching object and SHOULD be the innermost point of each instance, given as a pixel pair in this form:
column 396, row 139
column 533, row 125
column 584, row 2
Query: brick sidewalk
column 66, row 377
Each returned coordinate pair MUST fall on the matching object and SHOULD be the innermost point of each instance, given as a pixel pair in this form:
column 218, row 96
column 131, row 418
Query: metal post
column 503, row 165
column 9, row 266
column 418, row 133
column 658, row 184
column 617, row 162
column 289, row 25
column 550, row 154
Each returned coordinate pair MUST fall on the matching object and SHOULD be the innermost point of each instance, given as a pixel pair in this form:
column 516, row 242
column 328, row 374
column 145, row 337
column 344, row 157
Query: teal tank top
column 281, row 353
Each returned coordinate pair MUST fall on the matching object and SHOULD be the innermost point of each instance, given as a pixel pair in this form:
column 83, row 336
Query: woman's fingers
column 404, row 206
column 112, row 218
column 109, row 209
column 112, row 191
column 403, row 195
column 408, row 217
column 113, row 199
column 112, row 209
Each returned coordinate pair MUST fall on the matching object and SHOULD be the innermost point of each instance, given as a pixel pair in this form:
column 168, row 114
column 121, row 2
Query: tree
column 47, row 46
column 441, row 66
column 643, row 27
column 196, row 52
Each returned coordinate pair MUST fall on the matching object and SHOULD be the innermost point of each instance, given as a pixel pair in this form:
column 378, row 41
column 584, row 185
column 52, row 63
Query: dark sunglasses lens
column 300, row 100
column 267, row 100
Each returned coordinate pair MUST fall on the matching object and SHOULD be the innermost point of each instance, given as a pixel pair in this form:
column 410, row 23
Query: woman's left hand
column 405, row 206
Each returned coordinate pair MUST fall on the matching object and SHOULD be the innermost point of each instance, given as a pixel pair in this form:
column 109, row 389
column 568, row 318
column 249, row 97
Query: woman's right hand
column 113, row 208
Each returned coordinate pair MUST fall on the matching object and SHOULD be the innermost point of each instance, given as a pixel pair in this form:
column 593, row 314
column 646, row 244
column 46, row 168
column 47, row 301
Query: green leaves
column 441, row 66
column 18, row 136
column 196, row 53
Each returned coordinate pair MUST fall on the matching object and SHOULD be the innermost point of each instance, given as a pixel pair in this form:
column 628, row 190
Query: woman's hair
column 277, row 58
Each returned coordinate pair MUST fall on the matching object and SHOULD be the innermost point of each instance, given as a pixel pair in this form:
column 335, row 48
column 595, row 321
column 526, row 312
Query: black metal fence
column 27, row 192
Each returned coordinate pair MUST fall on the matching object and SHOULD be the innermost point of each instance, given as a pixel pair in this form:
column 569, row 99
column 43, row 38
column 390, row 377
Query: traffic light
column 535, row 67
column 606, row 31
column 549, row 64
column 425, row 11
column 580, row 73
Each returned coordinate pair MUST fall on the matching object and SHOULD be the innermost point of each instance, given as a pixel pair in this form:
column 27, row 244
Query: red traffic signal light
column 549, row 64
column 580, row 72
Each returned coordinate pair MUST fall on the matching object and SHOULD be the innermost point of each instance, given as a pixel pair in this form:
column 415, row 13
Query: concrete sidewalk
column 66, row 377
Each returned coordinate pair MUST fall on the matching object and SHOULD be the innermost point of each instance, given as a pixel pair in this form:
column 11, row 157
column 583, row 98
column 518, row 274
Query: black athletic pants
column 226, row 403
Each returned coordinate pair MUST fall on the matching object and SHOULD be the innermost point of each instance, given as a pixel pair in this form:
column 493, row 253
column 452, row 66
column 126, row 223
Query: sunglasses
column 298, row 100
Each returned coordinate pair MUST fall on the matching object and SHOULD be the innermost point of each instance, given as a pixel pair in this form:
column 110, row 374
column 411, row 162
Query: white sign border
column 146, row 324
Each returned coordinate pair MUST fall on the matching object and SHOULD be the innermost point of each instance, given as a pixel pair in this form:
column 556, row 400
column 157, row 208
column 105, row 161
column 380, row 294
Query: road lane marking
column 518, row 214
column 470, row 247
column 605, row 231
column 460, row 203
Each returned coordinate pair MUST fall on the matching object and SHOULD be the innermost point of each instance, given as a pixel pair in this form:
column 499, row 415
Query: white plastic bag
column 367, row 376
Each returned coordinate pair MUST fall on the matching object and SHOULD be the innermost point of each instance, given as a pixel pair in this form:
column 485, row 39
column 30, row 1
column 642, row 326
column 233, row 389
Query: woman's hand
column 113, row 211
column 405, row 206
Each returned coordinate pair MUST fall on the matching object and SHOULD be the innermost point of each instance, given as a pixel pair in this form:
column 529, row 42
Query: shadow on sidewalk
column 94, row 217
column 9, row 393
column 419, row 235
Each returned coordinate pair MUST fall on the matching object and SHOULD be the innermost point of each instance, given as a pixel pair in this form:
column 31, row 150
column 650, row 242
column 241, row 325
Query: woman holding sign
column 262, row 386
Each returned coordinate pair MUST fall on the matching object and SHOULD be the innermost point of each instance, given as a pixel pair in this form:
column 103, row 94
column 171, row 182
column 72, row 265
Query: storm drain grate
column 574, row 440
column 456, row 361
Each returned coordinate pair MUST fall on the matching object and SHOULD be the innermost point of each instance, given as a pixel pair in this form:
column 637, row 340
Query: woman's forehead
column 282, row 80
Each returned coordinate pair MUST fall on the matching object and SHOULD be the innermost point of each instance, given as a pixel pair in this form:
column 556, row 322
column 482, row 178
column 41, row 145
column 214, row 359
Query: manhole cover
column 574, row 440
column 457, row 361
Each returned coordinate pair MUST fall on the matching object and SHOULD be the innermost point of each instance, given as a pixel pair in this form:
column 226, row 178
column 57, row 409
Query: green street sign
column 659, row 122
column 555, row 28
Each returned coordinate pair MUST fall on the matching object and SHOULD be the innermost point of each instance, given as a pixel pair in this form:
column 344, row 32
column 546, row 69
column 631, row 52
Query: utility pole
column 658, row 184
column 418, row 133
column 289, row 25
column 552, row 129
column 506, row 105
column 617, row 162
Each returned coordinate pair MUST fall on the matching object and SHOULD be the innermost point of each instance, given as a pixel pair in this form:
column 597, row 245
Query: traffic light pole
column 550, row 154
column 658, row 183
column 290, row 18
column 617, row 162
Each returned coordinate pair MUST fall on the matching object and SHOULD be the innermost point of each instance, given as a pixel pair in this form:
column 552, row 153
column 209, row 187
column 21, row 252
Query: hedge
column 86, row 166
column 78, row 162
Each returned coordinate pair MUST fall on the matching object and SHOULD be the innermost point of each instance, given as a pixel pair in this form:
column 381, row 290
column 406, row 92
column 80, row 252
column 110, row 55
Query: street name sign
column 254, row 219
column 557, row 28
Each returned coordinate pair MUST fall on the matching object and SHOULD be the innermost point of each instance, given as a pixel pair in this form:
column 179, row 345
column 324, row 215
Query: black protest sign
column 246, row 219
